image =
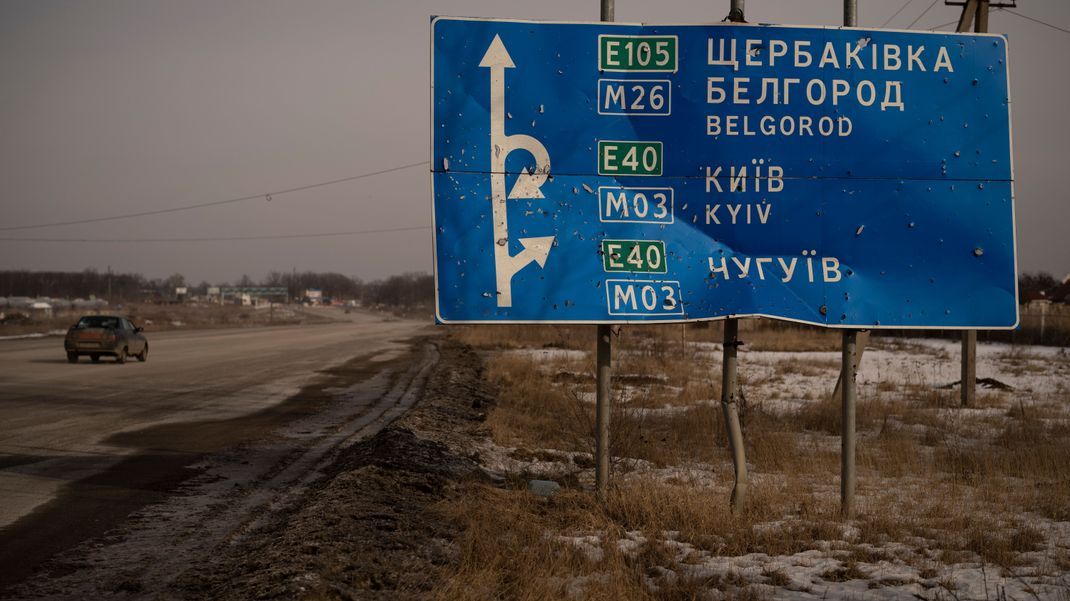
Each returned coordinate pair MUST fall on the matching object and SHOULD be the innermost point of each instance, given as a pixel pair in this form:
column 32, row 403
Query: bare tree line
column 405, row 290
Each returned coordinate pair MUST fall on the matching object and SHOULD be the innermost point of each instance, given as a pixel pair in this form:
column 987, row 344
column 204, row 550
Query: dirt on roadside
column 367, row 529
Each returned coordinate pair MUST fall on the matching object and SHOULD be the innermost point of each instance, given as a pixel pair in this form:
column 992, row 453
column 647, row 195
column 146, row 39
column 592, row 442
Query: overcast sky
column 110, row 107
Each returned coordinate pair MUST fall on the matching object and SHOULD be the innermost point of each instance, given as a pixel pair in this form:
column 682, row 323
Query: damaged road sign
column 616, row 173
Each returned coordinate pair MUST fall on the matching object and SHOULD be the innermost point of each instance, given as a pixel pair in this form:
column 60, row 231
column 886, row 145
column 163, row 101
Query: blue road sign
column 612, row 173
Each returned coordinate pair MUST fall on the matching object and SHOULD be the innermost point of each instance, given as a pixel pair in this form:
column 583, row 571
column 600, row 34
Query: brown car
column 97, row 335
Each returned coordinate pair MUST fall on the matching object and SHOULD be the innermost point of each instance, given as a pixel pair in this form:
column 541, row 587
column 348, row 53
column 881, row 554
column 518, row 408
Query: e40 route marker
column 842, row 177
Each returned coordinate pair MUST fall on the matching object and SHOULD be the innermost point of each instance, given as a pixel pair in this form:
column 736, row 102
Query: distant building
column 90, row 304
column 40, row 309
column 314, row 296
column 256, row 294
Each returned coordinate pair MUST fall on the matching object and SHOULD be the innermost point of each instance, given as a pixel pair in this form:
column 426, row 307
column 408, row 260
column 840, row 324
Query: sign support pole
column 604, row 370
column 850, row 13
column 847, row 371
column 860, row 349
column 968, row 380
column 847, row 435
column 601, row 475
column 609, row 10
column 730, row 407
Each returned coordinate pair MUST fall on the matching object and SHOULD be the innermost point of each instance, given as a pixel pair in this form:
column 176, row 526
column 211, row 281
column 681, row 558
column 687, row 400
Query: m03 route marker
column 618, row 204
column 617, row 173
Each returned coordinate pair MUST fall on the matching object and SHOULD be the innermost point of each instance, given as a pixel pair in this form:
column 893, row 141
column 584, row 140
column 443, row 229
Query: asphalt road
column 88, row 434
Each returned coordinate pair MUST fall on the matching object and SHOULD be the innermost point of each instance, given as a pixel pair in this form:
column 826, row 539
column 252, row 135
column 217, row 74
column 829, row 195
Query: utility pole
column 847, row 371
column 977, row 9
column 968, row 373
column 969, row 337
column 604, row 372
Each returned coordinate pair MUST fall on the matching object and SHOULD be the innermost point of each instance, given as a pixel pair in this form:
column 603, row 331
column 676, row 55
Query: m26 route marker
column 843, row 177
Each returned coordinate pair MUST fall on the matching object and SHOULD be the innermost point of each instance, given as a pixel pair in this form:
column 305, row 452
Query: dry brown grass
column 512, row 336
column 531, row 411
column 948, row 482
column 511, row 547
column 534, row 413
column 757, row 334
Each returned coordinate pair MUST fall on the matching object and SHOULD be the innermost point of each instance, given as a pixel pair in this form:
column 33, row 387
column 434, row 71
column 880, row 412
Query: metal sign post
column 729, row 383
column 604, row 352
column 847, row 433
column 860, row 349
column 730, row 406
column 602, row 409
column 847, row 371
column 968, row 373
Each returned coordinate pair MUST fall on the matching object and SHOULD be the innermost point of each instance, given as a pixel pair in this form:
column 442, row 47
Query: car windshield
column 98, row 321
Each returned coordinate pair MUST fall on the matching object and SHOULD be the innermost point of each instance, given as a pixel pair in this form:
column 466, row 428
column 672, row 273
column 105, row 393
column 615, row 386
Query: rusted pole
column 608, row 10
column 851, row 355
column 860, row 349
column 604, row 350
column 730, row 406
column 968, row 379
column 847, row 427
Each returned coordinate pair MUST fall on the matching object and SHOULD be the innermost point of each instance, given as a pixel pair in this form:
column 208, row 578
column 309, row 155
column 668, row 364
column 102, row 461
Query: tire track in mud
column 369, row 529
column 232, row 476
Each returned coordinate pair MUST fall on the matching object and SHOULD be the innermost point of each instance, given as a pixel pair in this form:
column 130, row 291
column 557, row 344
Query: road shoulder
column 368, row 529
column 356, row 522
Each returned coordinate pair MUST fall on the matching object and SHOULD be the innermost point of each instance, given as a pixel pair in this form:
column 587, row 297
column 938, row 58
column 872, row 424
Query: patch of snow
column 549, row 354
column 35, row 335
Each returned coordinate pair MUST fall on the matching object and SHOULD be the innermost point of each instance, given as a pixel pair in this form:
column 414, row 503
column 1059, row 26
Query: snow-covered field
column 953, row 502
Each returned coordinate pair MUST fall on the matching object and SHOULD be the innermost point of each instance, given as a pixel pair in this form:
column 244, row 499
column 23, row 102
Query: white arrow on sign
column 528, row 183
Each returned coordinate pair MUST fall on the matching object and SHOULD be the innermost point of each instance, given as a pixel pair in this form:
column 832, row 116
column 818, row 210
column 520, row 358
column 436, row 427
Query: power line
column 891, row 18
column 912, row 23
column 1045, row 23
column 222, row 238
column 1015, row 13
column 215, row 203
column 955, row 22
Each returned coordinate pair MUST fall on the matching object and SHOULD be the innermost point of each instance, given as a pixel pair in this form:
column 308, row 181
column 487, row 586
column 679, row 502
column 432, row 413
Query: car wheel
column 94, row 357
column 143, row 356
column 120, row 357
column 72, row 357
